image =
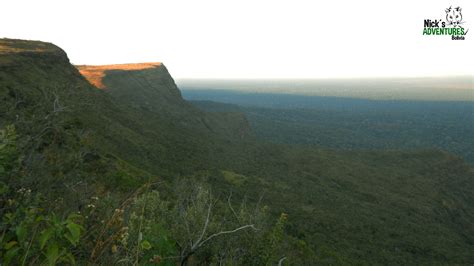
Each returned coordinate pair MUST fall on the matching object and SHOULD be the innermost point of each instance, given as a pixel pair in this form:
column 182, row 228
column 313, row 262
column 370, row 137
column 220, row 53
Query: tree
column 191, row 225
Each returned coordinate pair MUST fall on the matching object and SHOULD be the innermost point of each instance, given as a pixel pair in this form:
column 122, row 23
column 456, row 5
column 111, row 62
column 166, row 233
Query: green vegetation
column 340, row 123
column 233, row 178
column 136, row 175
column 143, row 229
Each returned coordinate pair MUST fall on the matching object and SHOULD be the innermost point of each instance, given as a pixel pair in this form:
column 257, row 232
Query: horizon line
column 327, row 78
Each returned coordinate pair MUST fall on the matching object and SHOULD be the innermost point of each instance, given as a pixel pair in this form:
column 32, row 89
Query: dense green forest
column 135, row 175
column 344, row 123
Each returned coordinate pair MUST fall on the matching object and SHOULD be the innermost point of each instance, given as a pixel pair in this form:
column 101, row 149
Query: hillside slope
column 149, row 89
column 77, row 141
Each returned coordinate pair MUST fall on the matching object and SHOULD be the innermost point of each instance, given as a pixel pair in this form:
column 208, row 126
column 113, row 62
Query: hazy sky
column 250, row 39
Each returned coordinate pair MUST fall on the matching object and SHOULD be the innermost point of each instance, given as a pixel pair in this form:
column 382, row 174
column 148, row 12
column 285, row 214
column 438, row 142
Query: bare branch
column 196, row 244
column 197, row 202
column 227, row 232
column 231, row 208
column 257, row 207
column 280, row 262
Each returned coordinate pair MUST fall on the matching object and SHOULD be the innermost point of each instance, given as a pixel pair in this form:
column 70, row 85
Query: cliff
column 148, row 88
column 129, row 110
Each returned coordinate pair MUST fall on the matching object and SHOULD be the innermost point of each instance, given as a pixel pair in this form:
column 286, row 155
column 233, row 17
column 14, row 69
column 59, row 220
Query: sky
column 250, row 39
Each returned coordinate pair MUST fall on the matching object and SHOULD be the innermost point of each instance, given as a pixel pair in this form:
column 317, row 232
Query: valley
column 113, row 165
column 348, row 123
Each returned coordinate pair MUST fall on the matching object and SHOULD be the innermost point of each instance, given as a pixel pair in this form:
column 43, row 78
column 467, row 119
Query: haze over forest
column 458, row 88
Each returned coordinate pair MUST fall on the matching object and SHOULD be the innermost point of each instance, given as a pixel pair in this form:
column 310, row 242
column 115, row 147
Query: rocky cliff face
column 145, row 88
column 149, row 89
column 148, row 85
column 96, row 74
column 130, row 110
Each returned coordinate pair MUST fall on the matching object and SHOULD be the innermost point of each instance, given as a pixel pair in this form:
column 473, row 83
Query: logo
column 450, row 25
